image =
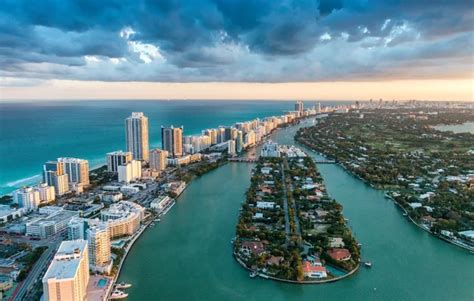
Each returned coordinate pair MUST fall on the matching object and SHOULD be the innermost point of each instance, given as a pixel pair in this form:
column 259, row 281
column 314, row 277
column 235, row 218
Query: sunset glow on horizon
column 434, row 90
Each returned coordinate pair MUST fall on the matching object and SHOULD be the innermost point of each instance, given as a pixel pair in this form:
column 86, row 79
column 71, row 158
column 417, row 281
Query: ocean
column 37, row 131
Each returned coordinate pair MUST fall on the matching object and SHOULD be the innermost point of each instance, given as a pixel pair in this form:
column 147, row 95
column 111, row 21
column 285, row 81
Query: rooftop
column 66, row 260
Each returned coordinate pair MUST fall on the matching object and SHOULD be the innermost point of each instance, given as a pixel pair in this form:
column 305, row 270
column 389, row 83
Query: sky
column 229, row 49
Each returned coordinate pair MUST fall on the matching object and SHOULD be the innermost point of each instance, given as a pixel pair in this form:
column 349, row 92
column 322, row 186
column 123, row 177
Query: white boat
column 368, row 264
column 118, row 295
column 123, row 285
column 253, row 274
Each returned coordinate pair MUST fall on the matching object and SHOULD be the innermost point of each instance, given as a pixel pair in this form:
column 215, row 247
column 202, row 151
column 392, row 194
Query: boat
column 404, row 214
column 123, row 285
column 232, row 241
column 368, row 264
column 118, row 295
column 253, row 274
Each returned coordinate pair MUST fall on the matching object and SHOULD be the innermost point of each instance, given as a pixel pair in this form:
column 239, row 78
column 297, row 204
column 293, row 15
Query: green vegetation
column 187, row 173
column 279, row 242
column 29, row 260
column 428, row 172
column 6, row 200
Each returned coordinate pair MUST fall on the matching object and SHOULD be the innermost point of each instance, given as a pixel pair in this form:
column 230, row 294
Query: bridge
column 325, row 161
column 243, row 160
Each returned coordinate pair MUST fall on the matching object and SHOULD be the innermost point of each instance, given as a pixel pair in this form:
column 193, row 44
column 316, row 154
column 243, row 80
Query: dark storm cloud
column 230, row 40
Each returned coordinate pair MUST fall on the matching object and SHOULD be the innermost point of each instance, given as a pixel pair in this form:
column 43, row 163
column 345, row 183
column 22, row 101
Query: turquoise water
column 467, row 127
column 34, row 132
column 188, row 255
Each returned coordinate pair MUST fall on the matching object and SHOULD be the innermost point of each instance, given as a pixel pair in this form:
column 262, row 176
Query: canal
column 188, row 255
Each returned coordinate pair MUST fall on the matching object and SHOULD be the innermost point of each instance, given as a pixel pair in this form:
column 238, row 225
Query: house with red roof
column 314, row 271
column 339, row 254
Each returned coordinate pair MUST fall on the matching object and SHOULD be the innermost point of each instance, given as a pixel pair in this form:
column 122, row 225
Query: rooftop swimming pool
column 102, row 283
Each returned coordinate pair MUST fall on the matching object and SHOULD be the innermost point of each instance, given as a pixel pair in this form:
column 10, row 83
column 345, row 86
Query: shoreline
column 145, row 226
column 265, row 276
column 469, row 249
column 262, row 274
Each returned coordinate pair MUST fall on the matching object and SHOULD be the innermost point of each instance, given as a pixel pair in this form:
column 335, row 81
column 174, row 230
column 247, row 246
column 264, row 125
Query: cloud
column 231, row 40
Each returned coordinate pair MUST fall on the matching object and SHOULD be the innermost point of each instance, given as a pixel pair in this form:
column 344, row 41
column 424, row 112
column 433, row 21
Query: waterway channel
column 188, row 255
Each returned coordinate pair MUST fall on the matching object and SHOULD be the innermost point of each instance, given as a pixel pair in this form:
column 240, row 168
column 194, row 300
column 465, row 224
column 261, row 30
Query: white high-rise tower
column 137, row 136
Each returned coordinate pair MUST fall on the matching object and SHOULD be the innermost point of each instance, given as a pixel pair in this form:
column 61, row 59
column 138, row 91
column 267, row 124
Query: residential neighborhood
column 289, row 228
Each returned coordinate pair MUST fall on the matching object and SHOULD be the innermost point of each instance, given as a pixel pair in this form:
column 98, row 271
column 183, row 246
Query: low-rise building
column 339, row 254
column 252, row 247
column 49, row 225
column 130, row 171
column 314, row 271
column 265, row 205
column 27, row 198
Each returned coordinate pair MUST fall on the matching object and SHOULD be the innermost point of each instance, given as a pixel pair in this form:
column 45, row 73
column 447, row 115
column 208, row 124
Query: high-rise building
column 137, row 136
column 213, row 134
column 227, row 133
column 68, row 274
column 172, row 140
column 123, row 218
column 299, row 107
column 66, row 174
column 61, row 184
column 231, row 147
column 117, row 158
column 250, row 138
column 76, row 169
column 221, row 135
column 158, row 159
column 130, row 172
column 27, row 197
column 98, row 238
column 239, row 142
column 54, row 175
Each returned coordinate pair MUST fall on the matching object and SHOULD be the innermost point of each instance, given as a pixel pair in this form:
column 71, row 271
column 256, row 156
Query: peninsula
column 289, row 229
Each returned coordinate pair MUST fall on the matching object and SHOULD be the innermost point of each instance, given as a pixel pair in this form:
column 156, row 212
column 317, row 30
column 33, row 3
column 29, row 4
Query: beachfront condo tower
column 117, row 158
column 137, row 136
column 172, row 140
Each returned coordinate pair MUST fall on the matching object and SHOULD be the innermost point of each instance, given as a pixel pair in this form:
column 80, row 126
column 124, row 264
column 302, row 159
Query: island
column 289, row 229
column 428, row 173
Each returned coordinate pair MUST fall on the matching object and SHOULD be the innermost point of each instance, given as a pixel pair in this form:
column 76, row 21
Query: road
column 295, row 218
column 36, row 272
column 285, row 205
